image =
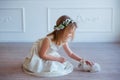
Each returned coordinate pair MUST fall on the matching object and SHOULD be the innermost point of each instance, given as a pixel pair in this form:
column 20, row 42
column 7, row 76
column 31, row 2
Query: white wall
column 28, row 20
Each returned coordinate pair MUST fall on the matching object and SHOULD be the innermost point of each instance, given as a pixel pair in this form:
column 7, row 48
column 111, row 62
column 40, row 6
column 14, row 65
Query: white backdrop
column 28, row 20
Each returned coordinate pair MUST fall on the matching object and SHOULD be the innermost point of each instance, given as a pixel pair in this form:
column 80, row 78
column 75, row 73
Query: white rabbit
column 85, row 67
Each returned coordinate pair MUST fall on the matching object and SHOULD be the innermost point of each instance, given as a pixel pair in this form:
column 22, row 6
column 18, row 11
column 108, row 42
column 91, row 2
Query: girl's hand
column 89, row 63
column 61, row 59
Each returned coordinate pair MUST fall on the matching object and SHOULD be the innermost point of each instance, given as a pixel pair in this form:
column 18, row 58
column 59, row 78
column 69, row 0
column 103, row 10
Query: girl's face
column 68, row 33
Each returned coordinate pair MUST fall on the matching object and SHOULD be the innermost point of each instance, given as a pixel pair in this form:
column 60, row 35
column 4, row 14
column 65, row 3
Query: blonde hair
column 58, row 35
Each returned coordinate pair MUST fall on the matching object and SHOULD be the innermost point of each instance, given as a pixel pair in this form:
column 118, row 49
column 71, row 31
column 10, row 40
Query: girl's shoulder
column 41, row 41
column 46, row 39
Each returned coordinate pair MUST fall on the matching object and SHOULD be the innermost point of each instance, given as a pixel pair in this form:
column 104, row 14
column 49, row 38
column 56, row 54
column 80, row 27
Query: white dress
column 35, row 65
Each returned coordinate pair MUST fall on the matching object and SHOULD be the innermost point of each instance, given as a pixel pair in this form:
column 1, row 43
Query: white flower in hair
column 63, row 24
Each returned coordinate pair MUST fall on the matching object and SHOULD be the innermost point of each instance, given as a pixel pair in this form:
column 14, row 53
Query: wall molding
column 92, row 20
column 12, row 20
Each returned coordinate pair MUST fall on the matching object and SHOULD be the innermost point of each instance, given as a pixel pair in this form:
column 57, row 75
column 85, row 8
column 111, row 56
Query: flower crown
column 63, row 24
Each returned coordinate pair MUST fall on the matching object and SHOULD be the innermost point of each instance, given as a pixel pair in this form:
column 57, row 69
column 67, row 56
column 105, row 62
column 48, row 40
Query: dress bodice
column 53, row 46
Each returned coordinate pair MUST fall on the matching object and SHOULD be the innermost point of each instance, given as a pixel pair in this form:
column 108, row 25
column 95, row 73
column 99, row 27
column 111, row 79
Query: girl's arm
column 44, row 48
column 73, row 55
column 70, row 53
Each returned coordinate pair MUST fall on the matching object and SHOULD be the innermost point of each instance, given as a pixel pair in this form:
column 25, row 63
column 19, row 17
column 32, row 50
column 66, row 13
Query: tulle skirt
column 46, row 68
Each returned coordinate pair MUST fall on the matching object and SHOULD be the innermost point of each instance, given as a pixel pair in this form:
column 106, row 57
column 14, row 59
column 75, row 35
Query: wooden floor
column 106, row 54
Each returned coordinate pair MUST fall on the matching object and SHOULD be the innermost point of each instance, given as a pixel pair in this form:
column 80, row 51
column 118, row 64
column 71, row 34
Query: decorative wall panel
column 12, row 20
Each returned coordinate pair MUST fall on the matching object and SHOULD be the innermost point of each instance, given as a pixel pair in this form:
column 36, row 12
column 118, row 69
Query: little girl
column 44, row 60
